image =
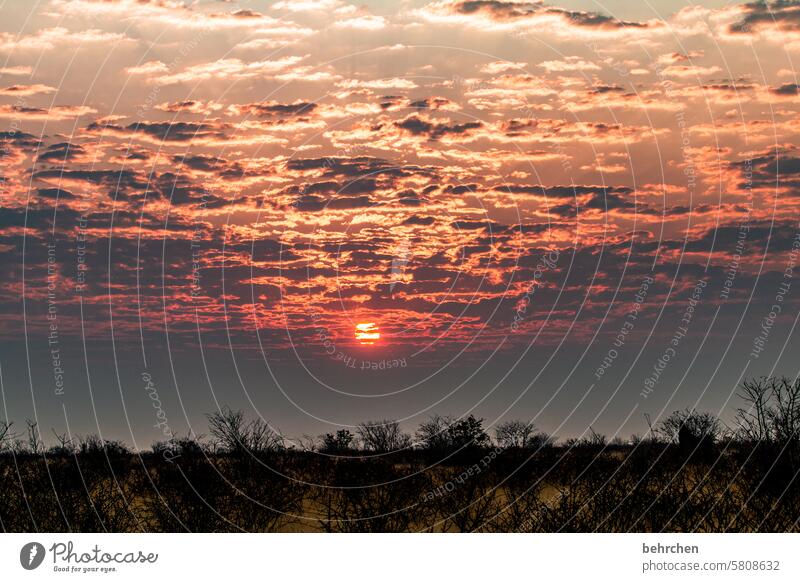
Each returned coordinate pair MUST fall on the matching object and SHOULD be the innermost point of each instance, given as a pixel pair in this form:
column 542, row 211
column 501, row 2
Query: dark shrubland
column 689, row 473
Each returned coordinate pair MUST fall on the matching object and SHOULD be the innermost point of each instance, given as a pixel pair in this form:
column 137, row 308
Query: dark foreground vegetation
column 689, row 473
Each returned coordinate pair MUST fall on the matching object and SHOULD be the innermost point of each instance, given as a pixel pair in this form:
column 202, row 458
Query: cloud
column 611, row 96
column 434, row 129
column 438, row 103
column 176, row 131
column 274, row 109
column 307, row 74
column 50, row 38
column 785, row 90
column 119, row 182
column 55, row 194
column 229, row 69
column 55, row 113
column 307, row 5
column 181, row 15
column 261, row 44
column 19, row 70
column 689, row 71
column 393, row 83
column 209, row 133
column 568, row 64
column 527, row 16
column 500, row 67
column 19, row 138
column 317, row 203
column 148, row 68
column 554, row 157
column 675, row 57
column 365, row 22
column 561, row 131
column 62, row 153
column 190, row 106
column 26, row 90
column 572, row 191
column 780, row 17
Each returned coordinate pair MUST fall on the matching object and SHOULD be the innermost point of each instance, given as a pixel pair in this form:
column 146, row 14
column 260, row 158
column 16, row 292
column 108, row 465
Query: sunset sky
column 322, row 213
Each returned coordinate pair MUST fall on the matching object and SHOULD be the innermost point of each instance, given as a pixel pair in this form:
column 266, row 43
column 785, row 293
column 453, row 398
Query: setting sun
column 367, row 333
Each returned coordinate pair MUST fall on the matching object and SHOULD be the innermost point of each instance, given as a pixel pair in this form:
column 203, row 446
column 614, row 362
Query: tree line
column 690, row 472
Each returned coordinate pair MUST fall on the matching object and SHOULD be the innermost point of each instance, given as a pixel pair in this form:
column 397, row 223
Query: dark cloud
column 61, row 152
column 420, row 220
column 201, row 162
column 601, row 89
column 770, row 169
column 561, row 191
column 317, row 203
column 409, row 197
column 728, row 87
column 167, row 131
column 357, row 186
column 505, row 11
column 19, row 138
column 785, row 90
column 118, row 181
column 55, row 193
column 430, row 103
column 359, row 166
column 392, row 101
column 181, row 190
column 462, row 189
column 178, row 131
column 477, row 225
column 608, row 202
column 275, row 109
column 781, row 14
column 780, row 236
column 435, row 130
column 37, row 221
column 177, row 106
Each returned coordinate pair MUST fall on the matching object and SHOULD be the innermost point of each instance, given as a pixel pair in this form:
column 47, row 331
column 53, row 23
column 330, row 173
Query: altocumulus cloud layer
column 216, row 194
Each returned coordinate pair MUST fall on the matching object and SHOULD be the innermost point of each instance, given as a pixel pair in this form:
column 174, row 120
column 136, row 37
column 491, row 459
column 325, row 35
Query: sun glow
column 367, row 333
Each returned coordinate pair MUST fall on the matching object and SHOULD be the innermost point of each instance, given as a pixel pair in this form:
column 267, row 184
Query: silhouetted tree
column 441, row 433
column 467, row 432
column 773, row 410
column 382, row 436
column 689, row 429
column 591, row 441
column 234, row 434
column 6, row 436
column 520, row 435
column 432, row 434
column 35, row 444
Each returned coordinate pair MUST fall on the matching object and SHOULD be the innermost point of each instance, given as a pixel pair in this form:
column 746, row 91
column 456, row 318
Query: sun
column 367, row 333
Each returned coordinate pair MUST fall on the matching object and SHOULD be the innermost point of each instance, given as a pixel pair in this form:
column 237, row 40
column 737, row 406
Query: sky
column 583, row 215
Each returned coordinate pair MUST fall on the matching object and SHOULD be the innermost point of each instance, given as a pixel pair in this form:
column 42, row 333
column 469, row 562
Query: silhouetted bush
column 694, row 432
column 457, row 440
column 337, row 443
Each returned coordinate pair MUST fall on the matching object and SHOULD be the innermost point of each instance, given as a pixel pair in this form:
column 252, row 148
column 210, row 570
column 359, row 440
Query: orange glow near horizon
column 367, row 333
